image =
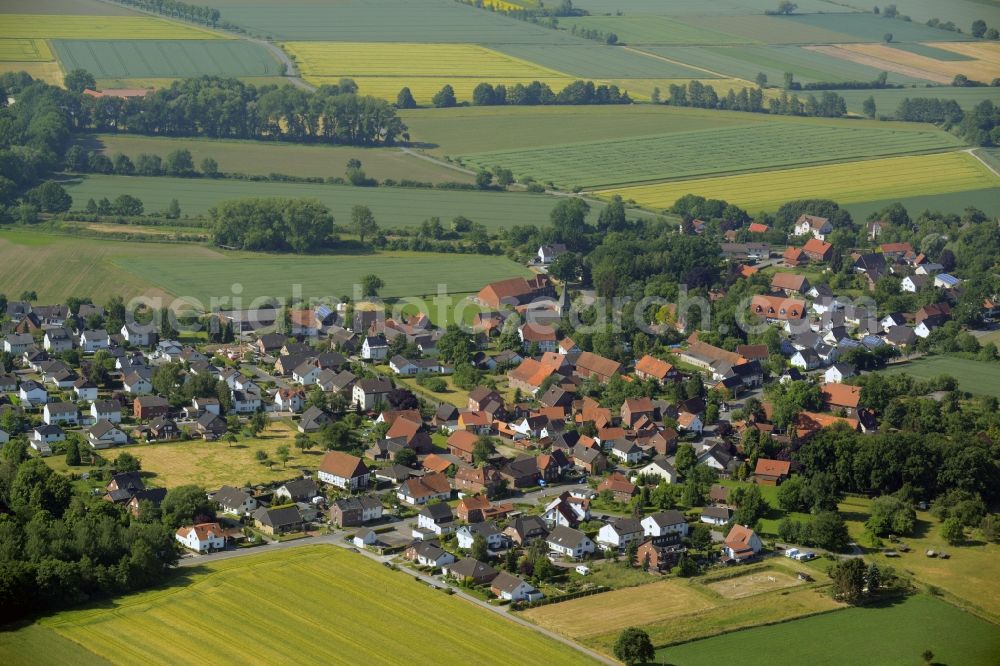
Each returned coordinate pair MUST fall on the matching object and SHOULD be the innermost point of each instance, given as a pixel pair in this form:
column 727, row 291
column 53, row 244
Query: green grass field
column 590, row 60
column 309, row 605
column 100, row 268
column 747, row 61
column 866, row 27
column 708, row 152
column 154, row 58
column 972, row 376
column 892, row 178
column 887, row 101
column 430, row 21
column 931, row 52
column 459, row 131
column 894, row 634
column 645, row 29
column 394, row 207
column 987, row 200
column 263, row 158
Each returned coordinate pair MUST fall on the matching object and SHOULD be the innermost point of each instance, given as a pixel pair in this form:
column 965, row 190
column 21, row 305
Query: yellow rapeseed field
column 53, row 26
column 383, row 69
column 24, row 50
column 894, row 177
column 326, row 604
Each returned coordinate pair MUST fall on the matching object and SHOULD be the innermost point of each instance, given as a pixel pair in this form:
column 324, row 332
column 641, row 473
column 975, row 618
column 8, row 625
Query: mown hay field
column 394, row 207
column 890, row 178
column 156, row 58
column 328, row 605
column 50, row 26
column 24, row 50
column 263, row 158
column 894, row 633
column 49, row 72
column 704, row 152
column 631, row 606
column 983, row 65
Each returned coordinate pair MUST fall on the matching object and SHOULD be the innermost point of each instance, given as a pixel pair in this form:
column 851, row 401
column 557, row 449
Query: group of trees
column 176, row 9
column 532, row 94
column 702, row 96
column 62, row 547
column 979, row 126
column 273, row 225
column 178, row 163
column 229, row 108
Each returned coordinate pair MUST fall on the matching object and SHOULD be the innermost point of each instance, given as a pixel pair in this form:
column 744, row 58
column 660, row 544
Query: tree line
column 520, row 94
column 698, row 95
column 176, row 9
column 979, row 126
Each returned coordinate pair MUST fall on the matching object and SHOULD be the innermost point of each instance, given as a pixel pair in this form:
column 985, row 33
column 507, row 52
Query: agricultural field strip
column 653, row 29
column 412, row 59
column 167, row 58
column 98, row 27
column 845, row 182
column 704, row 152
column 985, row 64
column 24, row 50
column 747, row 61
column 297, row 600
column 589, row 60
column 716, row 8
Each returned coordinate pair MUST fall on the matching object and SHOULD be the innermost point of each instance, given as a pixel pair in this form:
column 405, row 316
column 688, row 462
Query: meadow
column 887, row 100
column 106, row 267
column 394, row 207
column 327, row 605
column 896, row 633
column 972, row 376
column 708, row 152
column 747, row 61
column 263, row 158
column 866, row 27
column 986, row 200
column 52, row 26
column 883, row 179
column 156, row 58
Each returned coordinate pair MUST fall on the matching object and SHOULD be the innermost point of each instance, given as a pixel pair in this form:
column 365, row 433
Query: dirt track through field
column 880, row 63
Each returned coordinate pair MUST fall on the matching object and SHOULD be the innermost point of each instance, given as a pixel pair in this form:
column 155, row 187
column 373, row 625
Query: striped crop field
column 984, row 63
column 850, row 182
column 704, row 152
column 24, row 50
column 328, row 605
column 167, row 58
column 50, row 26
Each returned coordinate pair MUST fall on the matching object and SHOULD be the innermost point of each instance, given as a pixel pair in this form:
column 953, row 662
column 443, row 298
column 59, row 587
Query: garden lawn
column 394, row 207
column 263, row 158
column 852, row 182
column 972, row 376
column 704, row 152
column 326, row 604
column 897, row 633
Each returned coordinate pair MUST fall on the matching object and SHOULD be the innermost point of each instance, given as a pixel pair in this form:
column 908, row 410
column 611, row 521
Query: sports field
column 263, row 158
column 167, row 58
column 897, row 633
column 51, row 26
column 708, row 152
column 24, row 50
column 95, row 267
column 747, row 61
column 891, row 178
column 327, row 605
column 394, row 207
column 972, row 376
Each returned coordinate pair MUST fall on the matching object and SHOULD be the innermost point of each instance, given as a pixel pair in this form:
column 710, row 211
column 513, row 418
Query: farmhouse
column 649, row 367
column 841, row 396
column 590, row 365
column 515, row 291
column 343, row 471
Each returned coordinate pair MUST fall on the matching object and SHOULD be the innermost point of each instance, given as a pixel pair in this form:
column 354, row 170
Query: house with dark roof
column 471, row 571
column 570, row 542
column 234, row 500
column 354, row 511
column 280, row 520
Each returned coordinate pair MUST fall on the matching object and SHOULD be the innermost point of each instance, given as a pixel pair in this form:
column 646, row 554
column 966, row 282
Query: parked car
column 583, row 569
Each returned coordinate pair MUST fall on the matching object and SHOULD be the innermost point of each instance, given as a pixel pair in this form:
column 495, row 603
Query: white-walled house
column 620, row 533
column 664, row 523
column 137, row 335
column 56, row 413
column 570, row 542
column 109, row 410
column 509, row 587
column 202, row 538
column 104, row 435
column 32, row 393
column 92, row 341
